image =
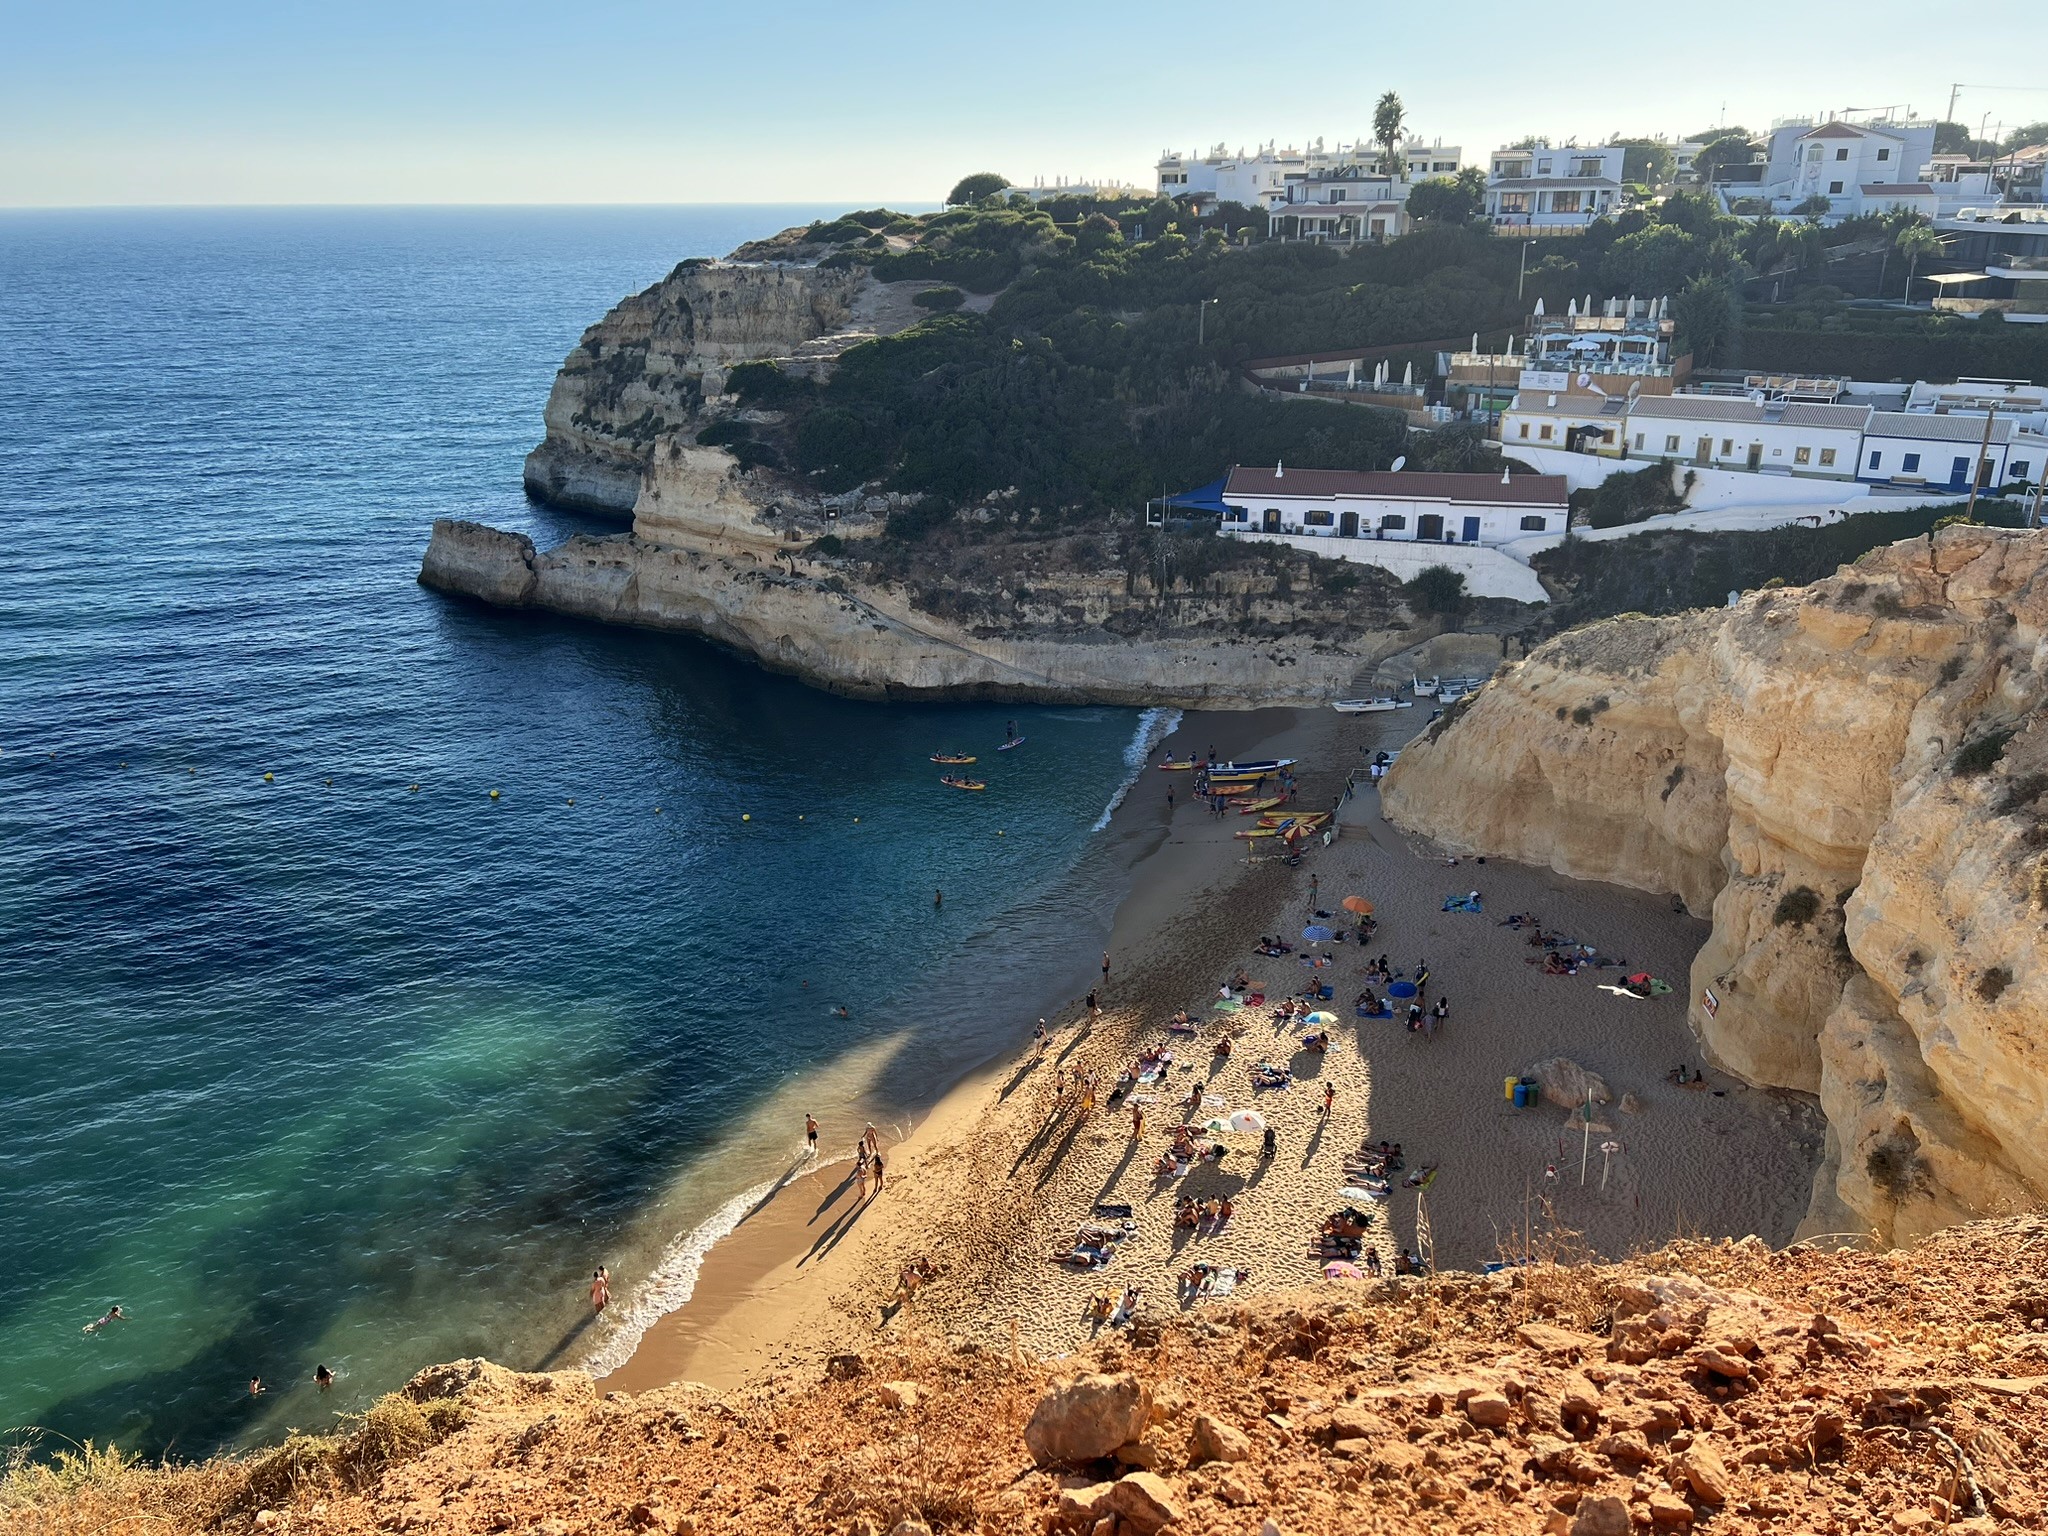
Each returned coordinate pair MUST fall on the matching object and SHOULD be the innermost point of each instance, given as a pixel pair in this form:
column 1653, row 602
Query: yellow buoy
column 745, row 817
column 494, row 794
column 270, row 778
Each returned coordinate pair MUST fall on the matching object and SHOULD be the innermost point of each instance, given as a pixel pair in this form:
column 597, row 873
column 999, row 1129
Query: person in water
column 113, row 1314
column 811, row 1133
column 323, row 1378
column 600, row 1289
column 841, row 1012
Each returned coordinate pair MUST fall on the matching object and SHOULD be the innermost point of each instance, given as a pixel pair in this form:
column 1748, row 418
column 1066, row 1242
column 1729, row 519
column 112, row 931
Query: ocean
column 311, row 1051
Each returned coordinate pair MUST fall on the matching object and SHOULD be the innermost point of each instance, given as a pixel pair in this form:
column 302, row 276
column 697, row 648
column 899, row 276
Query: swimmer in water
column 113, row 1314
column 323, row 1378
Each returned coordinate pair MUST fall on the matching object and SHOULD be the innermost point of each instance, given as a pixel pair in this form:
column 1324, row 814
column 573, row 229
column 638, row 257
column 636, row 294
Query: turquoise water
column 326, row 1068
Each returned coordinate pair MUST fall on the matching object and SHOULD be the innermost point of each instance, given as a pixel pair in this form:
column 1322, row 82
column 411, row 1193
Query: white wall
column 1487, row 572
column 1713, row 489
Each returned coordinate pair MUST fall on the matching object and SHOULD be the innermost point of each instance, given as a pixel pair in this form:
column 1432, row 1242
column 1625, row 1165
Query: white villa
column 1390, row 505
column 1553, row 191
column 1857, row 167
column 1263, row 178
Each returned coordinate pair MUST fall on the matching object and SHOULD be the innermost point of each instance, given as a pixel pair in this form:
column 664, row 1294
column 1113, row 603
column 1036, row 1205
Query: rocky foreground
column 1853, row 778
column 1720, row 1387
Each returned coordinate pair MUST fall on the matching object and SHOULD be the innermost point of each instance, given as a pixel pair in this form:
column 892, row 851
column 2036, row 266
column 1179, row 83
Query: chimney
column 1280, row 471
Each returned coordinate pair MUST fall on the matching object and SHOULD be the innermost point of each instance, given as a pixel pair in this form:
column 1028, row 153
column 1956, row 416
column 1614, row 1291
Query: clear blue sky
column 225, row 101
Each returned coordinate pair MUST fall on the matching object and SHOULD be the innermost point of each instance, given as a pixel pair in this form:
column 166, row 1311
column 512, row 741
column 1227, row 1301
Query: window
column 2017, row 470
column 1827, row 458
column 1564, row 202
column 1841, row 154
column 1545, row 433
column 1235, row 514
column 1514, row 202
column 1319, row 519
column 1670, row 443
column 1639, row 442
column 1337, row 196
column 1834, row 189
column 1876, row 459
column 1727, row 446
column 1542, row 167
column 1393, row 520
column 1912, row 464
column 1535, row 524
column 1883, row 155
column 1802, row 455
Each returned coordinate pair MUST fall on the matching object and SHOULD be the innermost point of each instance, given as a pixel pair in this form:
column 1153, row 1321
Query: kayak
column 1006, row 746
column 1257, row 806
column 1170, row 766
column 952, row 783
column 952, row 757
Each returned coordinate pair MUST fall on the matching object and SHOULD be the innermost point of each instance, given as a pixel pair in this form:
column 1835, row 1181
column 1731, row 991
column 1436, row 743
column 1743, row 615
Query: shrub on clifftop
column 972, row 189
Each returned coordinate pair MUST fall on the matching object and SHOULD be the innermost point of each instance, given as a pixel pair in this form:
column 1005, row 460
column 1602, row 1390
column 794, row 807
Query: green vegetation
column 1437, row 589
column 1389, row 119
column 1798, row 907
column 1627, row 496
column 1455, row 199
column 976, row 188
column 939, row 300
column 1982, row 755
column 1671, row 572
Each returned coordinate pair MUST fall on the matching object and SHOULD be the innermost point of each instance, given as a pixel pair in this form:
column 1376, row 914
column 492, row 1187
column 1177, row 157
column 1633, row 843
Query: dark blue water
column 352, row 1063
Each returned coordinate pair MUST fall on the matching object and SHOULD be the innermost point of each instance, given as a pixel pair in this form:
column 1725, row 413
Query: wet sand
column 999, row 1174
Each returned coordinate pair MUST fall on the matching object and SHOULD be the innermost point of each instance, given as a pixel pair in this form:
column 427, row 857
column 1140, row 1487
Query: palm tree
column 1388, row 119
column 1914, row 242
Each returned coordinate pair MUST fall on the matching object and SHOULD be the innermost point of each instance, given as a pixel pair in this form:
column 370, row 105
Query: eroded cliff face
column 1853, row 775
column 872, row 642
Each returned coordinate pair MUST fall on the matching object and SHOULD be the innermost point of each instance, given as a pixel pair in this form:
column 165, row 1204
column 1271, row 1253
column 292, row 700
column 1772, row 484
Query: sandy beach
column 1002, row 1171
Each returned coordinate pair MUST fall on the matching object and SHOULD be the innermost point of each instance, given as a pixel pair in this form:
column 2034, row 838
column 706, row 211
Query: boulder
column 1213, row 1440
column 1086, row 1417
column 1549, row 1339
column 1565, row 1083
column 1699, row 1467
column 1144, row 1502
column 897, row 1394
column 1604, row 1516
column 1489, row 1410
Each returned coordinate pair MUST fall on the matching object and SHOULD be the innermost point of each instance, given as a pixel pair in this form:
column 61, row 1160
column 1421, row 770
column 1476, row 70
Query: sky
column 366, row 101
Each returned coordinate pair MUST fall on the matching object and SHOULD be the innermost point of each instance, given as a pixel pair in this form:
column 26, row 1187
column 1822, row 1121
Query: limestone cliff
column 872, row 642
column 721, row 539
column 1852, row 775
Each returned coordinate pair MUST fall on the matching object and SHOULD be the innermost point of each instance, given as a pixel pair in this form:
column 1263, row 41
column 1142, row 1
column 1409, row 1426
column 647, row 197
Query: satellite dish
column 1395, row 467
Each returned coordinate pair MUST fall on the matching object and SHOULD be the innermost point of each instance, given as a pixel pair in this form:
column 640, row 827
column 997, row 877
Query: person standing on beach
column 1329, row 1097
column 872, row 1141
column 600, row 1289
column 1105, row 969
column 1169, row 799
column 1315, row 888
column 878, row 1173
column 1137, row 1120
column 811, row 1133
column 1093, row 1007
column 1038, row 1043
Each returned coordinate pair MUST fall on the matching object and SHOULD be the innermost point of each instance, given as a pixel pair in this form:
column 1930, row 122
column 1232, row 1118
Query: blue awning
column 1204, row 498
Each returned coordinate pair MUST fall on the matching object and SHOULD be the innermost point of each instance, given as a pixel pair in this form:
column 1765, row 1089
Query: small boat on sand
column 952, row 757
column 956, row 783
column 1254, row 807
column 1370, row 706
column 1170, row 766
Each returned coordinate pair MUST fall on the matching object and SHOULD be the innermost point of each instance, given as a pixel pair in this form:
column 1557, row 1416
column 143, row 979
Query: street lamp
column 1522, row 275
column 1202, row 320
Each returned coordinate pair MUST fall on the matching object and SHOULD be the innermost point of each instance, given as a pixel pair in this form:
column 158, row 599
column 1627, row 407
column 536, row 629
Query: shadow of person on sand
column 1024, row 1070
column 832, row 1196
column 1052, row 1162
column 1116, row 1173
column 1315, row 1140
column 829, row 1238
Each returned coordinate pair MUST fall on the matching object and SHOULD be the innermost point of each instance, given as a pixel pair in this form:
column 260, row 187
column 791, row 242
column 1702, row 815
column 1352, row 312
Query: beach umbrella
column 1400, row 989
column 1342, row 1269
column 1316, row 933
column 1320, row 1018
column 1359, row 905
column 1217, row 1127
column 1248, row 1122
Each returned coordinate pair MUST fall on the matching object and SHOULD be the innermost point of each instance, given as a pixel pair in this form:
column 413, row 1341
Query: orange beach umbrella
column 1357, row 904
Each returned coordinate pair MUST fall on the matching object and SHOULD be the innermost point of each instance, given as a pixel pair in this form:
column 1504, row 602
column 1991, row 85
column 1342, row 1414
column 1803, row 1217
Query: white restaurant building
column 1386, row 505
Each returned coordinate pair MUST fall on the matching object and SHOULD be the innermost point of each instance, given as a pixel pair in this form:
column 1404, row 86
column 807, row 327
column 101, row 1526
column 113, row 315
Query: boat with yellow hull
column 952, row 783
column 956, row 759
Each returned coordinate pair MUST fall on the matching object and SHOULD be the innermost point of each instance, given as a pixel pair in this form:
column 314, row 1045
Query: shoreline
column 724, row 1333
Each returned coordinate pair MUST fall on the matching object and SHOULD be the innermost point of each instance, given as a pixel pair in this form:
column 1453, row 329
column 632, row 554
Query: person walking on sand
column 1329, row 1097
column 811, row 1133
column 113, row 1314
column 860, row 1166
column 1105, row 968
column 872, row 1141
column 1038, row 1043
column 1169, row 799
column 1315, row 889
column 878, row 1173
column 1137, row 1120
column 600, row 1289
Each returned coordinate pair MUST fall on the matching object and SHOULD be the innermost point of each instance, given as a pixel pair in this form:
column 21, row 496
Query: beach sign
column 1709, row 1002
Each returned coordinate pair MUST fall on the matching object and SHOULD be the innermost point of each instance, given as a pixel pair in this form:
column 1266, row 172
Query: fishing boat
column 955, row 783
column 1014, row 741
column 1424, row 688
column 953, row 757
column 1370, row 706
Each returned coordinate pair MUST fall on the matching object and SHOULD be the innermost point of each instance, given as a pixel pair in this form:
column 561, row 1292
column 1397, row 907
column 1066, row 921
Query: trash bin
column 1508, row 1088
column 1525, row 1094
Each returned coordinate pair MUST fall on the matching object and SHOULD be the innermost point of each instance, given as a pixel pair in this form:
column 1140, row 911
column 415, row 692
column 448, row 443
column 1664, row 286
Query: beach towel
column 1222, row 1283
column 1227, row 1005
column 1114, row 1208
column 1463, row 904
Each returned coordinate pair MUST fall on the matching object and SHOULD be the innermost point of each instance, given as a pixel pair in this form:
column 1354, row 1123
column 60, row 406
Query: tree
column 972, row 189
column 1648, row 161
column 1719, row 147
column 2027, row 137
column 1437, row 589
column 1915, row 242
column 1706, row 314
column 1651, row 262
column 1449, row 199
column 1816, row 207
column 1389, row 117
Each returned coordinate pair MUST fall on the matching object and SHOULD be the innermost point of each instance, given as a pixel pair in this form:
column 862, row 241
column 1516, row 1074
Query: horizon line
column 244, row 207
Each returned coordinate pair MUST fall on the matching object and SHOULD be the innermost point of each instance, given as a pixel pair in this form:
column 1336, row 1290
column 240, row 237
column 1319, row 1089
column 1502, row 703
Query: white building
column 1920, row 448
column 1262, row 178
column 1543, row 190
column 1734, row 432
column 1857, row 168
column 1348, row 203
column 1420, row 507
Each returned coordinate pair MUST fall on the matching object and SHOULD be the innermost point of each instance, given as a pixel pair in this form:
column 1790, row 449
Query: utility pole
column 1202, row 319
column 1522, row 275
column 1952, row 93
column 1977, row 469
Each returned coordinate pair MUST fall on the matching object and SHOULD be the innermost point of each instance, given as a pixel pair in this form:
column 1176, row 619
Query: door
column 1430, row 528
column 1959, row 473
column 1756, row 455
column 1347, row 525
column 1471, row 530
column 1984, row 475
column 1703, row 455
column 1272, row 520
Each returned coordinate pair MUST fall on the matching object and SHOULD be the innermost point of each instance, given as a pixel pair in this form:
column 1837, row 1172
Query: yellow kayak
column 952, row 783
column 951, row 757
column 1258, row 805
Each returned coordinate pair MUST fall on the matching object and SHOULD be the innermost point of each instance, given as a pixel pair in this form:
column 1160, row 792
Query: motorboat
column 1370, row 706
column 1423, row 688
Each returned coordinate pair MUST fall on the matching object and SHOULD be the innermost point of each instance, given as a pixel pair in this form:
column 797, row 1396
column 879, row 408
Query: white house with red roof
column 1856, row 168
column 1382, row 505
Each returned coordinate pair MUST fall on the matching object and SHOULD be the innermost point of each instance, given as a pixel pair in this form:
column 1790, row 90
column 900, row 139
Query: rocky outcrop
column 1853, row 778
column 873, row 642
